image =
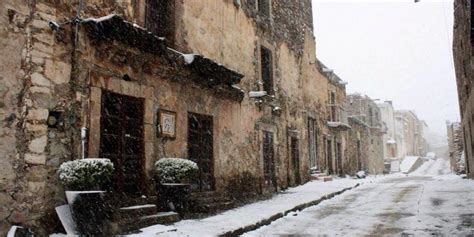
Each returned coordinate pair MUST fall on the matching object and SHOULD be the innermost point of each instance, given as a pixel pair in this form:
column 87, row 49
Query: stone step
column 197, row 195
column 325, row 178
column 318, row 176
column 142, row 201
column 134, row 224
column 211, row 207
column 136, row 211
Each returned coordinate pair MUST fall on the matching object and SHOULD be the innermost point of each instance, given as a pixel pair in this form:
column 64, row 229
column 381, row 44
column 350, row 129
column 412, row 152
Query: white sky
column 392, row 50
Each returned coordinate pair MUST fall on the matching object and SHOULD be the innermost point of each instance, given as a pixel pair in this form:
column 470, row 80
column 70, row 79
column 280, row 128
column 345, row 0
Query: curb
column 277, row 216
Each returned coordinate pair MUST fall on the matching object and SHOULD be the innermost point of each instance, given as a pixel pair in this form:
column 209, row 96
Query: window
column 159, row 18
column 264, row 7
column 266, row 69
column 333, row 107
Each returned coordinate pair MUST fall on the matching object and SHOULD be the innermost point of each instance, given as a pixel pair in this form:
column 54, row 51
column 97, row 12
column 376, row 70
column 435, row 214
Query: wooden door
column 200, row 150
column 121, row 139
column 268, row 160
column 295, row 157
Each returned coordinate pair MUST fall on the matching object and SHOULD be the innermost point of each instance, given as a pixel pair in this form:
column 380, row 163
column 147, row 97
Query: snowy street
column 429, row 201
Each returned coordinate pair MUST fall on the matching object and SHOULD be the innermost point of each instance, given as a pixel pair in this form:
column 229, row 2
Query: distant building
column 401, row 126
column 414, row 140
column 463, row 41
column 390, row 152
column 365, row 110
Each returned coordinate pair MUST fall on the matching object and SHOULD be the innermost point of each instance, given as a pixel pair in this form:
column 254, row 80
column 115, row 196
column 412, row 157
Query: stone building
column 456, row 146
column 335, row 137
column 232, row 85
column 389, row 138
column 414, row 142
column 424, row 131
column 463, row 49
column 359, row 146
column 365, row 110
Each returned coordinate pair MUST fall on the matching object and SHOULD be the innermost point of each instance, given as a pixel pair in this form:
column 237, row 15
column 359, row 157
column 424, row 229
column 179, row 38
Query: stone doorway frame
column 128, row 88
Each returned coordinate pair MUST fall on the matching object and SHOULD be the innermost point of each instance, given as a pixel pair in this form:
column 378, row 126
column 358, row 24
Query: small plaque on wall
column 167, row 123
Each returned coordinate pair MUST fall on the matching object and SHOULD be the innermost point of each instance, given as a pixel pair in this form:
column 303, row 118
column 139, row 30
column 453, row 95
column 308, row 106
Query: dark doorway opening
column 200, row 150
column 339, row 158
column 329, row 156
column 359, row 156
column 313, row 143
column 269, row 161
column 121, row 140
column 295, row 158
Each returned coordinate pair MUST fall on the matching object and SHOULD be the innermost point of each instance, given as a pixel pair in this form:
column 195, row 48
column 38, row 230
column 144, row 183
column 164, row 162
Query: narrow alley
column 429, row 201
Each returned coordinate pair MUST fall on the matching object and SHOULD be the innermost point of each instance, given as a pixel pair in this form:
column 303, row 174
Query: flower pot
column 88, row 211
column 174, row 196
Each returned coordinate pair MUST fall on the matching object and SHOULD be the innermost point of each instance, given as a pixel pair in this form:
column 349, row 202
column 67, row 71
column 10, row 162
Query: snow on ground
column 407, row 163
column 430, row 201
column 252, row 213
column 433, row 168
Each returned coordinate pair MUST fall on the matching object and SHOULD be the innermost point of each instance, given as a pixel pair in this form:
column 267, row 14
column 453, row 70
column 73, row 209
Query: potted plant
column 85, row 181
column 174, row 180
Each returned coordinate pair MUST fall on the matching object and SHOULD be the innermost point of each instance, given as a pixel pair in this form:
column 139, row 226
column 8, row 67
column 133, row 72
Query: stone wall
column 456, row 146
column 36, row 79
column 462, row 51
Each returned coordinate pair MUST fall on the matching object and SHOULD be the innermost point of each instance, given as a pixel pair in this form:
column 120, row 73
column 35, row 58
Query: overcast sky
column 392, row 50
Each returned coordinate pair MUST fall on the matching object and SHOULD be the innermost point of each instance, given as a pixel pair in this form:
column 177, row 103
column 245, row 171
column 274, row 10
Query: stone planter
column 89, row 211
column 174, row 196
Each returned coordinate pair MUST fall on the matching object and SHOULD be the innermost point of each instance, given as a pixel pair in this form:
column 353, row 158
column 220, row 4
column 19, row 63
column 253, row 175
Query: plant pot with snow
column 85, row 181
column 174, row 176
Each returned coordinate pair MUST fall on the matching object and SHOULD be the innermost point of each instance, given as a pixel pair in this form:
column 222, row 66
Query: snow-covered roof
column 114, row 27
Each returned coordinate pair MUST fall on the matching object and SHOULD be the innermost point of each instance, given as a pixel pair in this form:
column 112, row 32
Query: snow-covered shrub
column 86, row 174
column 175, row 170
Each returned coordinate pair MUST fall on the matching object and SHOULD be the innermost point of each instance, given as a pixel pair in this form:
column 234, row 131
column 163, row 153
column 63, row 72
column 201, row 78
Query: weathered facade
column 414, row 140
column 389, row 139
column 401, row 126
column 462, row 51
column 335, row 138
column 365, row 110
column 104, row 66
column 359, row 146
column 456, row 147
